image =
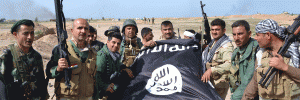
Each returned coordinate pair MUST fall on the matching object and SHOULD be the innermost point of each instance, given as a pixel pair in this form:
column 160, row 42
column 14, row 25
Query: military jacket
column 97, row 45
column 106, row 66
column 82, row 79
column 128, row 53
column 243, row 66
column 23, row 74
column 221, row 63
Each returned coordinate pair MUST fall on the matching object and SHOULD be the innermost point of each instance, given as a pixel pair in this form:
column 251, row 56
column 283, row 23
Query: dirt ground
column 46, row 41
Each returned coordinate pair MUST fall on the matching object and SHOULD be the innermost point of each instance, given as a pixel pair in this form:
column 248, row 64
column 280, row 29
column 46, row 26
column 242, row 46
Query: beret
column 21, row 22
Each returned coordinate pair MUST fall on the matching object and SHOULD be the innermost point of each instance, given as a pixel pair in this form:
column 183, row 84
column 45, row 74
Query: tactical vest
column 24, row 71
column 281, row 87
column 131, row 50
column 82, row 78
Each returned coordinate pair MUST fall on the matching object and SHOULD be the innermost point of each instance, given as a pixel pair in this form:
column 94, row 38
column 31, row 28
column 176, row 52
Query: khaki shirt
column 222, row 59
column 252, row 90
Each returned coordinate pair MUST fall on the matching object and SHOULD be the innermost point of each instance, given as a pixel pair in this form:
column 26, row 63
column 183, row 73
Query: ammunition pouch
column 130, row 55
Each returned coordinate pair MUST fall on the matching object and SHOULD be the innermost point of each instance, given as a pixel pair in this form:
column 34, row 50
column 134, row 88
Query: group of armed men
column 240, row 69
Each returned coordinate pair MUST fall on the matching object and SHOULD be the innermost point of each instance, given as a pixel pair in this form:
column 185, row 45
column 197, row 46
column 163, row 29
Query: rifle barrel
column 264, row 76
column 272, row 76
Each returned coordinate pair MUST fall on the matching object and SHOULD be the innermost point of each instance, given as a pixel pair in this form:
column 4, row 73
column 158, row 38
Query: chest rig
column 24, row 71
column 130, row 52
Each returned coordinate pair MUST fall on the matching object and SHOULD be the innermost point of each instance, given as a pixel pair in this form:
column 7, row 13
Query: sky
column 96, row 9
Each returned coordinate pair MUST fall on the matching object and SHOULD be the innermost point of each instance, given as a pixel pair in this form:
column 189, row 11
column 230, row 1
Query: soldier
column 167, row 31
column 216, row 58
column 109, row 69
column 82, row 79
column 111, row 29
column 91, row 39
column 285, row 84
column 147, row 36
column 152, row 20
column 131, row 44
column 22, row 67
column 189, row 34
column 242, row 60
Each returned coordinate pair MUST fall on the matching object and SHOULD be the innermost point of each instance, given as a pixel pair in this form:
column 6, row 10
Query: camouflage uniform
column 242, row 69
column 284, row 86
column 23, row 74
column 82, row 79
column 220, row 71
column 220, row 67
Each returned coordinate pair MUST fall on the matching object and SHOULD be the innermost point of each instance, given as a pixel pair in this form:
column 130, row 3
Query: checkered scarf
column 208, row 55
column 271, row 26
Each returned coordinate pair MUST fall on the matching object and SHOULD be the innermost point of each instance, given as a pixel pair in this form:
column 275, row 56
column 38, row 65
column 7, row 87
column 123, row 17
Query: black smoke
column 24, row 9
column 241, row 7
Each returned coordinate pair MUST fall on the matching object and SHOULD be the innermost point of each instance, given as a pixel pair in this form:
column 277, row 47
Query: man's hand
column 150, row 43
column 206, row 76
column 110, row 88
column 129, row 72
column 62, row 64
column 278, row 63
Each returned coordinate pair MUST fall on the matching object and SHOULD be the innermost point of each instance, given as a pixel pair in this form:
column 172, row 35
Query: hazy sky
column 141, row 8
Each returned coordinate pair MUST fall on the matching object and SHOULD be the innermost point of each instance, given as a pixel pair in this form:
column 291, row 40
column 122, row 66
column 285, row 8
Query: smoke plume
column 24, row 9
column 242, row 7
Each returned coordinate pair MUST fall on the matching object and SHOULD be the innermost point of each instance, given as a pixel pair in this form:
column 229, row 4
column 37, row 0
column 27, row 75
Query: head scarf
column 269, row 25
column 189, row 34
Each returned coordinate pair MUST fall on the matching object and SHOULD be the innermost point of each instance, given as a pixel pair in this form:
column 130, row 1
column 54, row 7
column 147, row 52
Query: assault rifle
column 293, row 32
column 206, row 27
column 62, row 37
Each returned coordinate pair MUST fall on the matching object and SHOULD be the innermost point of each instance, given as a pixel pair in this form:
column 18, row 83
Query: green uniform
column 106, row 66
column 82, row 79
column 23, row 74
column 243, row 66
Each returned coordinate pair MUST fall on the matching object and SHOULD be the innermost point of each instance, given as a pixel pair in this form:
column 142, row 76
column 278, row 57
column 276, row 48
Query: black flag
column 170, row 70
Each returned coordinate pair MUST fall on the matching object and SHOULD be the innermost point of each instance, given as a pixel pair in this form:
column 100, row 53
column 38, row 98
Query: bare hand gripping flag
column 170, row 70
